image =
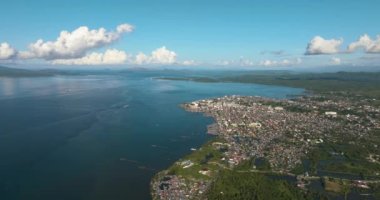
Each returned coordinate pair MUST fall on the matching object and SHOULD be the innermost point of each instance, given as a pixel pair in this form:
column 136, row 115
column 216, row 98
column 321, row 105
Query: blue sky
column 204, row 32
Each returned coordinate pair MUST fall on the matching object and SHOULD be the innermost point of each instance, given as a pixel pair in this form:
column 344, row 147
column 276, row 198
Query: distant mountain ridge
column 17, row 72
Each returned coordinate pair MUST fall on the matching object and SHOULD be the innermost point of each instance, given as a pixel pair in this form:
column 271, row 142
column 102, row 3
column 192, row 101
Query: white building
column 331, row 113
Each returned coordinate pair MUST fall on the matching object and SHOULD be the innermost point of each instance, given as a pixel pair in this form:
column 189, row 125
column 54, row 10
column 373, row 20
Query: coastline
column 251, row 138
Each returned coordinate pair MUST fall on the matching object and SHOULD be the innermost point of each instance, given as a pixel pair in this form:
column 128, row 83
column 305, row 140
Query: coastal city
column 281, row 133
column 189, row 100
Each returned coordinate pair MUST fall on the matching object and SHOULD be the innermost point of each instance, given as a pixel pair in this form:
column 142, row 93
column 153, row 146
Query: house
column 331, row 113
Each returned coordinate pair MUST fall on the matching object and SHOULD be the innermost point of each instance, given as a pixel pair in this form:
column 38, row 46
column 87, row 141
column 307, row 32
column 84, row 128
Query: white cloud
column 6, row 51
column 274, row 62
column 75, row 48
column 163, row 56
column 224, row 62
column 243, row 62
column 285, row 62
column 268, row 62
column 141, row 59
column 189, row 62
column 319, row 45
column 366, row 43
column 159, row 56
column 110, row 57
column 335, row 61
column 74, row 44
column 124, row 28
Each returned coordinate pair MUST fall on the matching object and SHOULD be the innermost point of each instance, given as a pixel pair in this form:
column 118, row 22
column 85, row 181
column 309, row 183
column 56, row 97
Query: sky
column 193, row 33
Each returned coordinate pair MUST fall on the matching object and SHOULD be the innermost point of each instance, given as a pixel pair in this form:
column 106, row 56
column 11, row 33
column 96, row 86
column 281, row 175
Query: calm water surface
column 100, row 136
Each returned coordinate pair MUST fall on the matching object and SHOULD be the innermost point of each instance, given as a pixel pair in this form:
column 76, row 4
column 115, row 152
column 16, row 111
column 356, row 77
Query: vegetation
column 346, row 157
column 234, row 184
column 335, row 185
column 298, row 169
column 204, row 158
column 376, row 188
column 365, row 84
column 359, row 83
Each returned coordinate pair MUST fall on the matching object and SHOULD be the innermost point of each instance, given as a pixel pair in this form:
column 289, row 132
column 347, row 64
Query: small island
column 308, row 147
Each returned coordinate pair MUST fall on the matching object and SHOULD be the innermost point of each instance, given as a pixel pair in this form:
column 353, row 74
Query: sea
column 101, row 135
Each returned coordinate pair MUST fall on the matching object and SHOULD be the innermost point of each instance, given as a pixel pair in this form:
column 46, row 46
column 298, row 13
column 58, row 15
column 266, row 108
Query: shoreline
column 253, row 137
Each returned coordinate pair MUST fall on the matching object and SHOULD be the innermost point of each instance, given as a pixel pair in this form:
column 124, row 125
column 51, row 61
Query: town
column 279, row 132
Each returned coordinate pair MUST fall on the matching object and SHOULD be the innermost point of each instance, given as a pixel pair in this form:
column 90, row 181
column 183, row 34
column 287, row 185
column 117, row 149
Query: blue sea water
column 100, row 136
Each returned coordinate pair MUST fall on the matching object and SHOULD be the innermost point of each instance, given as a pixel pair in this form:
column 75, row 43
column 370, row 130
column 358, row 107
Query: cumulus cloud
column 6, row 51
column 141, row 59
column 366, row 43
column 159, row 56
column 75, row 44
column 76, row 48
column 109, row 57
column 319, row 45
column 284, row 62
column 163, row 56
column 335, row 61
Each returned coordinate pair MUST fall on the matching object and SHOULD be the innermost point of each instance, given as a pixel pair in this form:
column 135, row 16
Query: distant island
column 318, row 146
column 15, row 72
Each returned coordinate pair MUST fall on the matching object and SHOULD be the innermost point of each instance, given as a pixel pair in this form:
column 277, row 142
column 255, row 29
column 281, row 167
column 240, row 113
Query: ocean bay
column 100, row 136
